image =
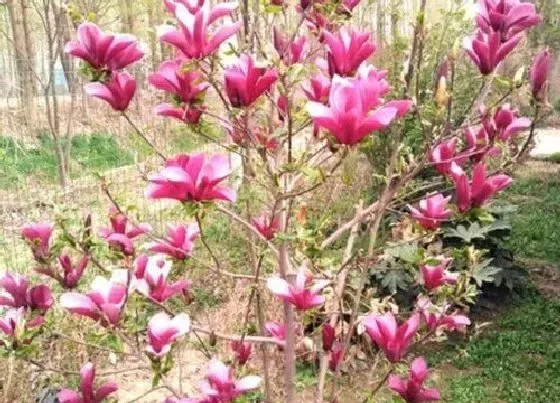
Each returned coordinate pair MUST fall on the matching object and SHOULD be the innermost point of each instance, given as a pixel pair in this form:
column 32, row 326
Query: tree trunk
column 20, row 52
column 30, row 84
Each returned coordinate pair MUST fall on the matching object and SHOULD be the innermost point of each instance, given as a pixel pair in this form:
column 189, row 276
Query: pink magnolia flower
column 14, row 323
column 196, row 177
column 102, row 303
column 17, row 293
column 304, row 294
column 38, row 236
column 266, row 225
column 88, row 393
column 164, row 330
column 443, row 154
column 117, row 92
column 245, row 83
column 538, row 76
column 290, row 52
column 436, row 276
column 318, row 88
column 153, row 282
column 411, row 389
column 437, row 318
column 504, row 124
column 119, row 236
column 335, row 356
column 194, row 38
column 487, row 51
column 276, row 330
column 481, row 189
column 347, row 49
column 328, row 336
column 350, row 4
column 179, row 242
column 432, row 211
column 479, row 145
column 221, row 385
column 242, row 351
column 186, row 114
column 348, row 118
column 70, row 274
column 394, row 340
column 102, row 50
column 506, row 17
column 185, row 85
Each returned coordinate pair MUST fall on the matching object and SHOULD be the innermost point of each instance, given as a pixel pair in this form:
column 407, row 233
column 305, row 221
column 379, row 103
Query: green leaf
column 393, row 280
column 484, row 274
column 409, row 253
column 467, row 235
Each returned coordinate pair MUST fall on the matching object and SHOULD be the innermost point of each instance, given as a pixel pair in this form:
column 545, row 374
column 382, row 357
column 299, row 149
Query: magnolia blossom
column 317, row 89
column 192, row 178
column 538, row 76
column 412, row 389
column 289, row 52
column 194, row 38
column 186, row 113
column 70, row 274
column 117, row 91
column 17, row 293
column 435, row 276
column 335, row 356
column 14, row 323
column 394, row 340
column 480, row 190
column 347, row 49
column 102, row 303
column 276, row 330
column 304, row 294
column 242, row 351
column 350, row 4
column 506, row 17
column 104, row 50
column 221, row 385
column 266, row 225
column 187, row 88
column 437, row 318
column 479, row 144
column 38, row 236
column 432, row 211
column 328, row 336
column 119, row 236
column 88, row 393
column 504, row 124
column 245, row 83
column 443, row 154
column 151, row 279
column 164, row 330
column 179, row 242
column 348, row 116
column 487, row 50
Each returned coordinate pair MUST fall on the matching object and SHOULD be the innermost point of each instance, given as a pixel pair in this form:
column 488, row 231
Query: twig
column 205, row 243
column 143, row 136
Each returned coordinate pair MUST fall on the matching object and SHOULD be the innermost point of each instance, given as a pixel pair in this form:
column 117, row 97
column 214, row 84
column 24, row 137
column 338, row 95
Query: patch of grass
column 518, row 361
column 535, row 230
column 96, row 152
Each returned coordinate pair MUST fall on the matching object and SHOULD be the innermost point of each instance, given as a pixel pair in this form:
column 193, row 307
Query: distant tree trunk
column 126, row 16
column 152, row 25
column 30, row 85
column 381, row 23
column 20, row 51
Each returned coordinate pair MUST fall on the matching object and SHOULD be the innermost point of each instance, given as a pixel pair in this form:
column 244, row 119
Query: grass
column 518, row 361
column 535, row 230
column 96, row 152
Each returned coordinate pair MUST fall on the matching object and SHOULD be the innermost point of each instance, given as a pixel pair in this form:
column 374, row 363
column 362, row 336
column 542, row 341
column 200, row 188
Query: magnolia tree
column 292, row 117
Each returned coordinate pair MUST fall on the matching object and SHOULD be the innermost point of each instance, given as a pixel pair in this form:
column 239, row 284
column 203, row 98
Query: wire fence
column 100, row 145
